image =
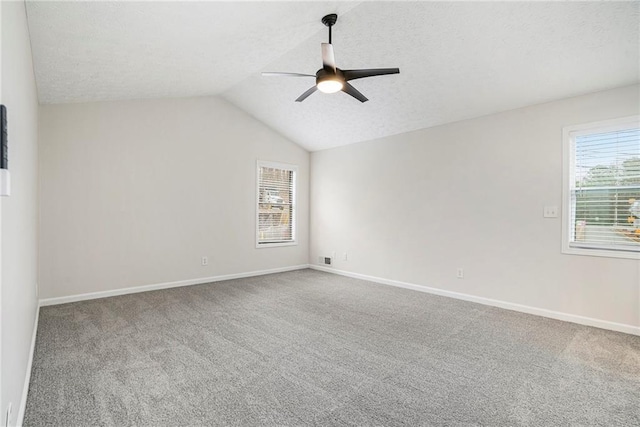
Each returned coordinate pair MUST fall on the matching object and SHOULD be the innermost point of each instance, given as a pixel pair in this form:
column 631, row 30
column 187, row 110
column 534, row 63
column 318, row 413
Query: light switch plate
column 550, row 212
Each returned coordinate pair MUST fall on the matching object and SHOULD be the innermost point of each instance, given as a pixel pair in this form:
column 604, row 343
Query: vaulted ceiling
column 457, row 60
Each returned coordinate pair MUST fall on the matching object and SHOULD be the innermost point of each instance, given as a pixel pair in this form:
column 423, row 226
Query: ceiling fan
column 331, row 79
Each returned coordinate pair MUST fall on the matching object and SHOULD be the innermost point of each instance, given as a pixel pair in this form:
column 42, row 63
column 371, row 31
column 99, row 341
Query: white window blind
column 604, row 184
column 276, row 204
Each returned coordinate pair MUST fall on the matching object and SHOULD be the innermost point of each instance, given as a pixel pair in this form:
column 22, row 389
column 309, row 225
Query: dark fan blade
column 368, row 72
column 354, row 92
column 278, row 74
column 307, row 93
column 328, row 58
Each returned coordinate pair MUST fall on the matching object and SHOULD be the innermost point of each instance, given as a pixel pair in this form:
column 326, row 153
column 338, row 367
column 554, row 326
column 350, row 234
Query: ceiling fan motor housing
column 328, row 81
column 322, row 75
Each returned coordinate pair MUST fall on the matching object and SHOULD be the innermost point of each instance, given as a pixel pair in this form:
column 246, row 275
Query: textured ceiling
column 108, row 50
column 457, row 60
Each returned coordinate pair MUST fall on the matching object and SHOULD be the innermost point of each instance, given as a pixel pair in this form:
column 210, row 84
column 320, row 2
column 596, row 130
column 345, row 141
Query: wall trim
column 132, row 290
column 27, row 376
column 558, row 315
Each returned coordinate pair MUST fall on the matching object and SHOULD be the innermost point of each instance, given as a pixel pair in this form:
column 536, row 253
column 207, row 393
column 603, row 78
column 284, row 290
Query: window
column 601, row 210
column 276, row 204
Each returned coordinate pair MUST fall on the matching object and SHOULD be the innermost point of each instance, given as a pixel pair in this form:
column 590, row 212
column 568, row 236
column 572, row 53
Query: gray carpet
column 310, row 348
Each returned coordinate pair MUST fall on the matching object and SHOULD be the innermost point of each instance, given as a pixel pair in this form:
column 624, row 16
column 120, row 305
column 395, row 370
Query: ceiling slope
column 457, row 60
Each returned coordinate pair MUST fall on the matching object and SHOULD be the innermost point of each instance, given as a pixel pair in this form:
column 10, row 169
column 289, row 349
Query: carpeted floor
column 311, row 348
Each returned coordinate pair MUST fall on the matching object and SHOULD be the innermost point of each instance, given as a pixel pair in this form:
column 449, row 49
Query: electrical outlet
column 205, row 260
column 345, row 257
column 460, row 273
column 550, row 212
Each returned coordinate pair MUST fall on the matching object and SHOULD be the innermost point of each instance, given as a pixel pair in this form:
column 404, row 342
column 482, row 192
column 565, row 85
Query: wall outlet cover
column 550, row 212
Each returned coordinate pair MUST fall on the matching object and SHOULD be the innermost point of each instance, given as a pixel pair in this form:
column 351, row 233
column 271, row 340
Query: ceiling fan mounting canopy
column 330, row 78
column 330, row 20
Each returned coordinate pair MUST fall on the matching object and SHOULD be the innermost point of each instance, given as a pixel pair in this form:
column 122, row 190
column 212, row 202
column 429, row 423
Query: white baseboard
column 27, row 376
column 167, row 285
column 582, row 320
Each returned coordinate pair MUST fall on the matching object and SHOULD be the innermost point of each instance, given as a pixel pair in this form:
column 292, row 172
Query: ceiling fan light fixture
column 330, row 85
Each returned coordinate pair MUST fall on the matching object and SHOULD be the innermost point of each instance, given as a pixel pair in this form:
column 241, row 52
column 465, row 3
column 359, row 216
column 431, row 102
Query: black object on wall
column 4, row 155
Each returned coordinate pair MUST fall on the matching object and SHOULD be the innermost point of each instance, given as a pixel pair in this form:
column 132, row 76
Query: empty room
column 319, row 213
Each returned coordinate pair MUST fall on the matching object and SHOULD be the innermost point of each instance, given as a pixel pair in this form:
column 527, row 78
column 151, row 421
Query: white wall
column 415, row 206
column 18, row 213
column 135, row 193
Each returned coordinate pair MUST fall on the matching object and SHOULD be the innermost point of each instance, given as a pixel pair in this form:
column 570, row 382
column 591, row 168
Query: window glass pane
column 276, row 195
column 605, row 208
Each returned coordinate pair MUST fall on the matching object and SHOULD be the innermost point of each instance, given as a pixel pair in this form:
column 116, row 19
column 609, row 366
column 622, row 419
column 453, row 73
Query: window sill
column 601, row 253
column 275, row 245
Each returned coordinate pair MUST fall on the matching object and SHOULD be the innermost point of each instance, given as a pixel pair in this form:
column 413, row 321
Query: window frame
column 294, row 204
column 568, row 170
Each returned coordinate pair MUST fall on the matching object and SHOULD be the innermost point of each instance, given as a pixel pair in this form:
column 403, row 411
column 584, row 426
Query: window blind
column 605, row 190
column 276, row 204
